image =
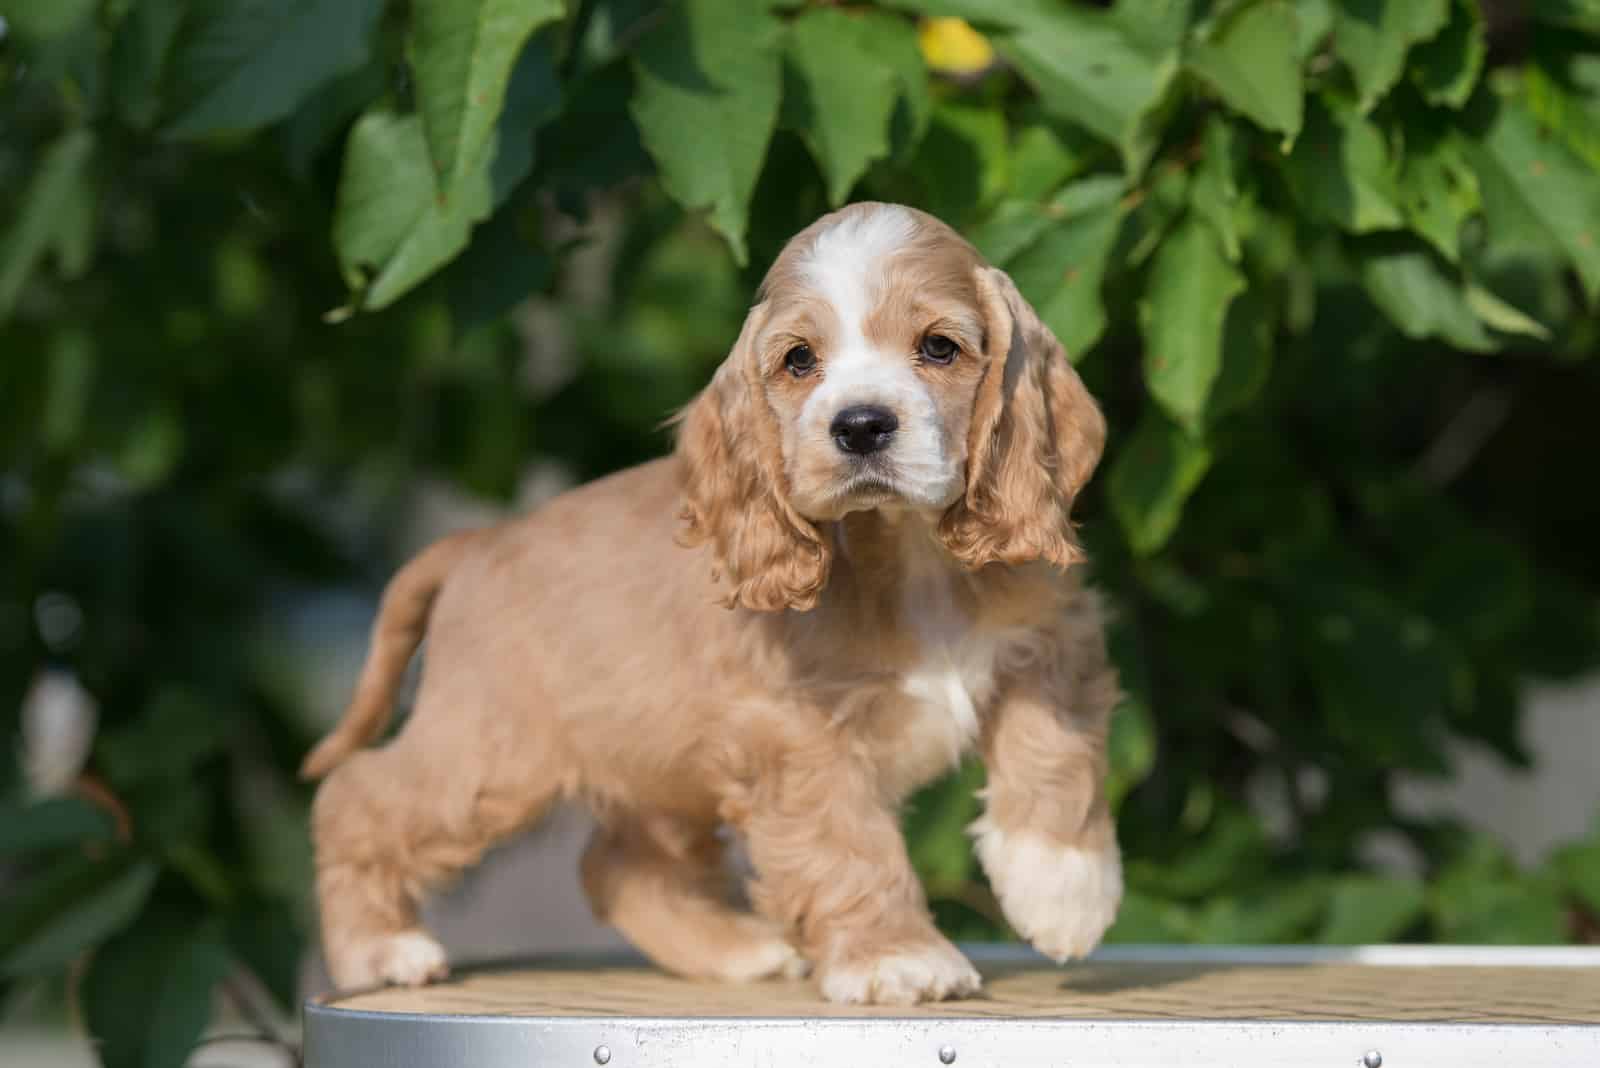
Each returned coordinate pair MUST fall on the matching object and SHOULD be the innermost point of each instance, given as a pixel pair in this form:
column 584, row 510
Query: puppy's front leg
column 1046, row 839
column 832, row 868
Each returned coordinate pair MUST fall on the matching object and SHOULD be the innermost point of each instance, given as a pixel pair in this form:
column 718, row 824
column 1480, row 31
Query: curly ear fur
column 1036, row 437
column 734, row 490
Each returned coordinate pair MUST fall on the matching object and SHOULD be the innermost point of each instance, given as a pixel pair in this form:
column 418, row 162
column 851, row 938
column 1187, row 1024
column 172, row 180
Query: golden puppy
column 879, row 478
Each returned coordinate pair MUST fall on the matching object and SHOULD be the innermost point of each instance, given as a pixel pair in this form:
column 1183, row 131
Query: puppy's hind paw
column 404, row 958
column 932, row 972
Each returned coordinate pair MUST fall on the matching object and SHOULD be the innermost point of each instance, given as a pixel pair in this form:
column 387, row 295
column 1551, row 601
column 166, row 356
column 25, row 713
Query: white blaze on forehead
column 846, row 262
column 845, row 265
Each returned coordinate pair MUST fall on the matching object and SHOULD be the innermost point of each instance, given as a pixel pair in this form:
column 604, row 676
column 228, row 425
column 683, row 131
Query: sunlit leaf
column 393, row 225
column 462, row 53
column 1368, row 909
column 45, row 212
column 846, row 92
column 706, row 100
column 1373, row 37
column 1185, row 306
column 1250, row 60
column 1151, row 478
column 1527, row 177
column 1341, row 173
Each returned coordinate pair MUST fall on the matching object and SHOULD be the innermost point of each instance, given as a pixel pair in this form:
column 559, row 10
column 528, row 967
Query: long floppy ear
column 735, row 494
column 1036, row 437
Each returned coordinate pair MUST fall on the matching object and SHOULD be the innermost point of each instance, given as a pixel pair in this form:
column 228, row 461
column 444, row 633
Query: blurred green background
column 287, row 286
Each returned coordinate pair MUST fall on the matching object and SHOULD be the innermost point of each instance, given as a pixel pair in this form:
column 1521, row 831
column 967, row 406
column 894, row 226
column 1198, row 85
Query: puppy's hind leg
column 391, row 824
column 665, row 889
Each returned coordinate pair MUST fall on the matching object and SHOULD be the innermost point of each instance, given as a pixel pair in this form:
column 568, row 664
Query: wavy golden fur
column 783, row 629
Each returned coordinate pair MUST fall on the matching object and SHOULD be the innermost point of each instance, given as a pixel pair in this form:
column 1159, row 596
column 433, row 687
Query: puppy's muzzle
column 863, row 429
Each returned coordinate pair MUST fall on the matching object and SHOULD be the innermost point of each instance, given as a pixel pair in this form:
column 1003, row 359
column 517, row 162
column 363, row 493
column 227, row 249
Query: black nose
column 864, row 429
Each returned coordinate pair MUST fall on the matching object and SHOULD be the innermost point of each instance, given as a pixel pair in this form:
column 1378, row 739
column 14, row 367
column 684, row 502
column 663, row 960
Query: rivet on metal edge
column 1372, row 1059
column 947, row 1055
column 602, row 1055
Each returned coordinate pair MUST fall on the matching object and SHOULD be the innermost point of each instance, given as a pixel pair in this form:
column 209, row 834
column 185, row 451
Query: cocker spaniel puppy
column 856, row 567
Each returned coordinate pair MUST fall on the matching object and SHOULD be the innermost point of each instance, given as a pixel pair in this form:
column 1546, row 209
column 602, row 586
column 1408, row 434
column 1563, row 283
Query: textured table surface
column 1312, row 990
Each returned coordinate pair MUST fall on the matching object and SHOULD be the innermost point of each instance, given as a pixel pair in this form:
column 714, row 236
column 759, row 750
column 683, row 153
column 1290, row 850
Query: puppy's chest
column 940, row 693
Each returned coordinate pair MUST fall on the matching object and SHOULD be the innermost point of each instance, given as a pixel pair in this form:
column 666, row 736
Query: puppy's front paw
column 1060, row 898
column 762, row 959
column 404, row 958
column 928, row 972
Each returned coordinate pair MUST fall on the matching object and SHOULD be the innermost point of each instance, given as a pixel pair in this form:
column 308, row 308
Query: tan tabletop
column 1131, row 1007
column 1089, row 990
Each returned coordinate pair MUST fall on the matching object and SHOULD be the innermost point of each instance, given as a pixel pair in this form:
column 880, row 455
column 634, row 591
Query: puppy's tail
column 402, row 619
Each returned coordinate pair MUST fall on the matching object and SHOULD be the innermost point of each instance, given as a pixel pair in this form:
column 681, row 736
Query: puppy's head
column 884, row 366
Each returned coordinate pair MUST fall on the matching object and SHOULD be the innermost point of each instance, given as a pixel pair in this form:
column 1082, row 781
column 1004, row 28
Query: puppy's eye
column 800, row 360
column 936, row 348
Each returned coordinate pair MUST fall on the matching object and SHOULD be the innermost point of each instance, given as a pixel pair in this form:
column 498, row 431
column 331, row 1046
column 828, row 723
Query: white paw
column 410, row 958
column 930, row 973
column 762, row 960
column 1059, row 898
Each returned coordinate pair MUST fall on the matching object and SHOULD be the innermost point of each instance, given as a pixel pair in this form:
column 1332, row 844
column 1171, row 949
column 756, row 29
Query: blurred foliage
column 1331, row 266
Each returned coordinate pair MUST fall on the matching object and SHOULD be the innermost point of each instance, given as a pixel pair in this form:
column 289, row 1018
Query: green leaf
column 1340, row 171
column 1527, row 178
column 327, row 112
column 1182, row 316
column 1043, row 155
column 844, row 95
column 1214, row 193
column 37, row 826
column 177, row 731
column 1092, row 68
column 1507, row 909
column 239, row 64
column 962, row 166
column 1246, row 355
column 706, row 94
column 1503, row 316
column 74, row 909
column 1566, row 113
column 462, row 52
column 1146, row 919
column 935, row 826
column 70, row 382
column 266, row 937
column 1130, row 749
column 1315, row 19
column 1570, row 14
column 392, row 222
column 1013, row 226
column 1438, row 188
column 45, row 213
column 44, row 20
column 892, row 43
column 1407, row 282
column 1373, row 37
column 147, row 995
column 1273, row 914
column 533, row 98
column 1061, row 272
column 1367, row 909
column 1151, row 478
column 1250, row 60
column 1446, row 68
column 139, row 54
column 1579, row 866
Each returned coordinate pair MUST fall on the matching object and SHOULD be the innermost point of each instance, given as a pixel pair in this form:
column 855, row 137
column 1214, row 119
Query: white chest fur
column 949, row 683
